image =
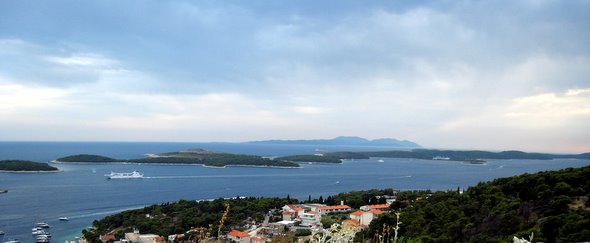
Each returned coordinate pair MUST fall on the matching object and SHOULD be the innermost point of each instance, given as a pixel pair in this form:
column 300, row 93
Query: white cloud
column 451, row 74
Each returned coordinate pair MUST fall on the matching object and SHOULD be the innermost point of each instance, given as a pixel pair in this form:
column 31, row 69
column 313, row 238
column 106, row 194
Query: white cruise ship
column 132, row 175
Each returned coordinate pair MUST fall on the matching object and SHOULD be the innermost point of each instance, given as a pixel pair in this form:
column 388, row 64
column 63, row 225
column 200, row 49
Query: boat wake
column 103, row 212
column 395, row 177
column 172, row 177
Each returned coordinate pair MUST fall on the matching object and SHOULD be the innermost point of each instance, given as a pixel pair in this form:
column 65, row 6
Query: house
column 295, row 209
column 107, row 238
column 334, row 209
column 314, row 206
column 382, row 207
column 239, row 236
column 136, row 237
column 364, row 218
column 356, row 215
column 350, row 224
column 310, row 218
column 257, row 240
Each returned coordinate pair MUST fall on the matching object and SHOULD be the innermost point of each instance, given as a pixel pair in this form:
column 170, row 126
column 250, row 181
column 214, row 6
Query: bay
column 82, row 193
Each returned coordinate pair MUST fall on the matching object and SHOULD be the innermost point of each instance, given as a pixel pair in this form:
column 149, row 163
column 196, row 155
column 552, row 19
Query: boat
column 42, row 238
column 39, row 232
column 380, row 161
column 132, row 175
column 12, row 241
column 64, row 219
column 441, row 158
column 42, row 225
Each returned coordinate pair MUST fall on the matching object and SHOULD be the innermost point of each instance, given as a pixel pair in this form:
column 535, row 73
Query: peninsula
column 25, row 166
column 470, row 156
column 189, row 156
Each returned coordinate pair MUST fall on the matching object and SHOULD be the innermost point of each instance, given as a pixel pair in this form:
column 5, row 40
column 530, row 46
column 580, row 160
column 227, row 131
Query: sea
column 82, row 193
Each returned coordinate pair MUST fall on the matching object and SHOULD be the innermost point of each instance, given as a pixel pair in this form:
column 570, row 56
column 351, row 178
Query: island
column 25, row 166
column 189, row 156
column 469, row 156
column 346, row 141
column 553, row 205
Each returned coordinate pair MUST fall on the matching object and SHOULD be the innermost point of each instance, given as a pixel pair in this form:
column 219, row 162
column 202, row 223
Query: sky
column 494, row 75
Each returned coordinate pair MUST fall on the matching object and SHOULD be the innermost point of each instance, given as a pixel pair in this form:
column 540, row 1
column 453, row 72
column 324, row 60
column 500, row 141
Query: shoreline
column 34, row 171
column 176, row 164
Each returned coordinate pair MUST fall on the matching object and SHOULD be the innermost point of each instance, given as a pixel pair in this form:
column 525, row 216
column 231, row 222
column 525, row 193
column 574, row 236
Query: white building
column 310, row 218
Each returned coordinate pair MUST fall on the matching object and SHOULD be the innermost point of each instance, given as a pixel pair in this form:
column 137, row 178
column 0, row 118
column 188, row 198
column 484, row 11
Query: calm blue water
column 84, row 196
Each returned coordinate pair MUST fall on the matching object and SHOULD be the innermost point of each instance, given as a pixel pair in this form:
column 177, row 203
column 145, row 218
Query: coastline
column 176, row 164
column 34, row 171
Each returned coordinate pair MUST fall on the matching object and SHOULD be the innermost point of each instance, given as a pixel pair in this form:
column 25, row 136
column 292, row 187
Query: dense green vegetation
column 23, row 165
column 312, row 158
column 454, row 155
column 87, row 158
column 197, row 156
column 178, row 217
column 553, row 205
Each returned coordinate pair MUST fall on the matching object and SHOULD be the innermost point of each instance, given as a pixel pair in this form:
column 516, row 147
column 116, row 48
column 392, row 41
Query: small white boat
column 42, row 225
column 12, row 241
column 132, row 175
column 39, row 232
column 380, row 161
column 64, row 219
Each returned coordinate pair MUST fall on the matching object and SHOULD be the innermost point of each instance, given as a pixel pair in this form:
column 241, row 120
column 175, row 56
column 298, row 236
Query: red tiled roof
column 335, row 207
column 257, row 239
column 312, row 212
column 287, row 212
column 357, row 213
column 107, row 237
column 297, row 209
column 376, row 211
column 238, row 234
column 350, row 222
column 378, row 206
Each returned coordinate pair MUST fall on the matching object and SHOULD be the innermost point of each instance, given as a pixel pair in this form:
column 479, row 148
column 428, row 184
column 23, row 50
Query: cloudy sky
column 445, row 74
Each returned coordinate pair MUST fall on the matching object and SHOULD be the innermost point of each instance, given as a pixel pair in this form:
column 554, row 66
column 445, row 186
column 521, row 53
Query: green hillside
column 23, row 165
column 554, row 205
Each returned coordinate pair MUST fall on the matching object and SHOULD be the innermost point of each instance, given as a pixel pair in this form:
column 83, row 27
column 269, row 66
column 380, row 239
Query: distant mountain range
column 347, row 140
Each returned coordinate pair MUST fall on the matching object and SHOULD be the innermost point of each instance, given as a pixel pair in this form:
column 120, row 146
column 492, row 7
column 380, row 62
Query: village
column 300, row 221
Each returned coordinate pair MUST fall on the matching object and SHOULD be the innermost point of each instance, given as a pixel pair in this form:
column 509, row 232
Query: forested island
column 552, row 205
column 189, row 156
column 472, row 156
column 25, row 166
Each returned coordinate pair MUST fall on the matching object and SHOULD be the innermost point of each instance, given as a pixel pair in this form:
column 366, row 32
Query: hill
column 553, row 204
column 24, row 166
column 347, row 140
column 190, row 156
